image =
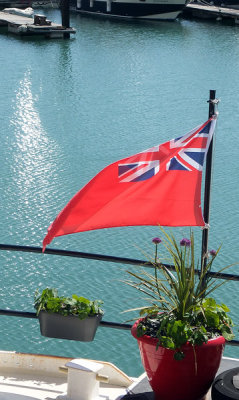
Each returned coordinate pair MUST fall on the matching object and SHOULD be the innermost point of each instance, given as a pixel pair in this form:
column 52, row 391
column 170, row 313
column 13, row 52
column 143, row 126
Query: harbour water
column 71, row 107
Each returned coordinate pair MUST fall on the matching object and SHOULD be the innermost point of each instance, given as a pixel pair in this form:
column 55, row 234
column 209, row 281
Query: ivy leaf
column 212, row 318
column 209, row 303
column 227, row 333
column 199, row 337
column 225, row 308
column 141, row 330
column 167, row 342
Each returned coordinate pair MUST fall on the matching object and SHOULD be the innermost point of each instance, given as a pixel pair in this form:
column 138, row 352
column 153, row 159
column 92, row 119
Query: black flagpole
column 207, row 191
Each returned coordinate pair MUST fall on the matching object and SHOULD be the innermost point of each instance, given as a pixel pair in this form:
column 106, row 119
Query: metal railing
column 99, row 257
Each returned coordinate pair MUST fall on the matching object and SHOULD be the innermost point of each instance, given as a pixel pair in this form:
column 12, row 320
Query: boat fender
column 22, row 28
column 223, row 387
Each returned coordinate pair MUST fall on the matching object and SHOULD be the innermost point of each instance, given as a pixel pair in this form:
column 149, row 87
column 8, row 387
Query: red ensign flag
column 160, row 186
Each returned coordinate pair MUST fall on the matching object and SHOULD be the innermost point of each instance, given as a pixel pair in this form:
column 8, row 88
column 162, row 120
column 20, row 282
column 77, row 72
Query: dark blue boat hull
column 140, row 9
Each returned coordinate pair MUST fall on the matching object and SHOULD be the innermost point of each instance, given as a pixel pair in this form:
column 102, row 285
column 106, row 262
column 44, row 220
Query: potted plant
column 182, row 337
column 75, row 318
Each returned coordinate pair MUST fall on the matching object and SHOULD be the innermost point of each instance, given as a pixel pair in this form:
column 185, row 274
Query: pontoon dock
column 39, row 25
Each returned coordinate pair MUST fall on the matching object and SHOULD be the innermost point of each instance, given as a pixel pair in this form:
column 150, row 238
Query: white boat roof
column 44, row 377
column 33, row 376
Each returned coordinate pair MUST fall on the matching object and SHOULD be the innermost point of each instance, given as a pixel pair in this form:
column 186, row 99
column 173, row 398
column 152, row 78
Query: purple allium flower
column 156, row 240
column 185, row 242
column 213, row 253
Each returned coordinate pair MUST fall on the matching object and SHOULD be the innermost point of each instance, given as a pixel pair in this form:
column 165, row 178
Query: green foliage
column 49, row 301
column 204, row 322
column 181, row 309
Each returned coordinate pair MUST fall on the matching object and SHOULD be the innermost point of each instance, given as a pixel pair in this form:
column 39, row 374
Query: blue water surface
column 71, row 107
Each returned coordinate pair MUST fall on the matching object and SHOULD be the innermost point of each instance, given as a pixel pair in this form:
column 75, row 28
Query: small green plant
column 79, row 306
column 181, row 309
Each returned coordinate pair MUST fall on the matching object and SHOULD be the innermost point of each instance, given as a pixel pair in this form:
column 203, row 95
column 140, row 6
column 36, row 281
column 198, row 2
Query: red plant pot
column 187, row 379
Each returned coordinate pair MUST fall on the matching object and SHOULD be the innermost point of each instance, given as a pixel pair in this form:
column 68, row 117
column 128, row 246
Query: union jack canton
column 186, row 153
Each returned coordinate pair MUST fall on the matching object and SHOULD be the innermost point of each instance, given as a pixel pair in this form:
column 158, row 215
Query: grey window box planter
column 68, row 327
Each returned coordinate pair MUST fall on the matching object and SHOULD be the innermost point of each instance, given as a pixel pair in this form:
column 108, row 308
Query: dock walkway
column 39, row 25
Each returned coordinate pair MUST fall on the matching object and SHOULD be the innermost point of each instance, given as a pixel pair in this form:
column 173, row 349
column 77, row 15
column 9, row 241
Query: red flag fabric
column 159, row 186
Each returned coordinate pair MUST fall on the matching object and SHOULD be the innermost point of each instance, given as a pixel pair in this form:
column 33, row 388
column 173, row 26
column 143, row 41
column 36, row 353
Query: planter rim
column 70, row 315
column 153, row 341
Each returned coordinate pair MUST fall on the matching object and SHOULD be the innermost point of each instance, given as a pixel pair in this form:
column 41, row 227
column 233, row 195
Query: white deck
column 6, row 18
column 32, row 377
column 38, row 377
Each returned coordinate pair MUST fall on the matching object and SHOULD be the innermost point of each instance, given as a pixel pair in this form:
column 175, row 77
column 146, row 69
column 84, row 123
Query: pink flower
column 156, row 240
column 213, row 253
column 185, row 242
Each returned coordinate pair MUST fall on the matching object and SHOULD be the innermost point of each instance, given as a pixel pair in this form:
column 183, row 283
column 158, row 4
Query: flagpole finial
column 213, row 102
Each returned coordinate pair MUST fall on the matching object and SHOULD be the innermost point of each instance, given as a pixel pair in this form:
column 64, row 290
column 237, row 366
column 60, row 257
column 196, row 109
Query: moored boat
column 20, row 4
column 41, row 377
column 34, row 376
column 46, row 4
column 233, row 4
column 130, row 9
